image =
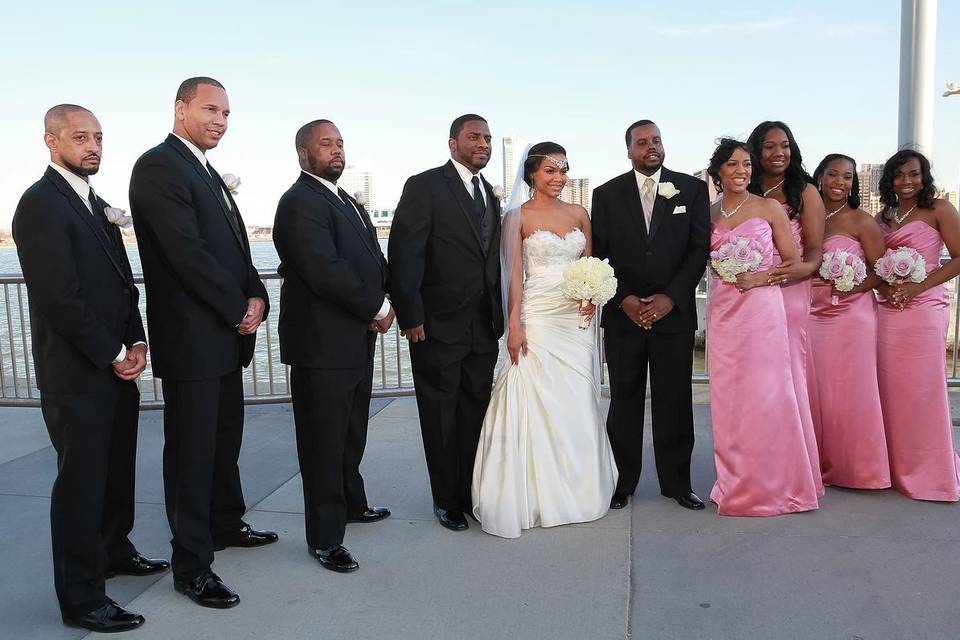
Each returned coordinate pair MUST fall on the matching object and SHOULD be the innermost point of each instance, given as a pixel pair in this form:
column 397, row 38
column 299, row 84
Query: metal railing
column 267, row 380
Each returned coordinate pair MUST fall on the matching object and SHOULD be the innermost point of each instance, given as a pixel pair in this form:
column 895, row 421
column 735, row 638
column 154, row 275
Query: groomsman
column 654, row 226
column 88, row 349
column 332, row 304
column 205, row 301
column 445, row 282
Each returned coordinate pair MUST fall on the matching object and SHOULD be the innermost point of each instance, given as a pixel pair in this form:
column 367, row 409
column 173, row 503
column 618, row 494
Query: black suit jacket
column 439, row 268
column 334, row 277
column 196, row 265
column 83, row 302
column 668, row 258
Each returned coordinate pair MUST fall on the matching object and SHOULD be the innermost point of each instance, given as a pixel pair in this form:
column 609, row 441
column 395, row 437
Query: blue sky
column 392, row 75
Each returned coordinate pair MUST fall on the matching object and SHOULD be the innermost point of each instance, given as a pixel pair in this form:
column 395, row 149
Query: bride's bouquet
column 844, row 270
column 735, row 256
column 586, row 280
column 902, row 264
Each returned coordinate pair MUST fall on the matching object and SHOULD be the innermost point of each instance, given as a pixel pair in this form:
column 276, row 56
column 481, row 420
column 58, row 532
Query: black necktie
column 346, row 200
column 99, row 215
column 479, row 206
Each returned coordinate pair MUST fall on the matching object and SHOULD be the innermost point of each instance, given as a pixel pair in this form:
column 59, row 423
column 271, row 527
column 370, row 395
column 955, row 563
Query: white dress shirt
column 202, row 157
column 82, row 187
column 332, row 186
column 467, row 176
column 656, row 186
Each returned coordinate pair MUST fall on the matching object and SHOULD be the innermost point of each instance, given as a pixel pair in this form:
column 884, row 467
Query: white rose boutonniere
column 499, row 193
column 118, row 217
column 667, row 190
column 232, row 183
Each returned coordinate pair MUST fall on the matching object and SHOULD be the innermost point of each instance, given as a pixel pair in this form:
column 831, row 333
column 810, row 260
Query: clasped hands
column 785, row 272
column 900, row 295
column 132, row 364
column 383, row 325
column 646, row 311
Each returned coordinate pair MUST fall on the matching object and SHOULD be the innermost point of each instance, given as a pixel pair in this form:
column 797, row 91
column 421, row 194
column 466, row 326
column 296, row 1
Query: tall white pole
column 918, row 41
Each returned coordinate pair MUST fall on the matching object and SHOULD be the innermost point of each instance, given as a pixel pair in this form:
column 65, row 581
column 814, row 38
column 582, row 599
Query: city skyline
column 695, row 71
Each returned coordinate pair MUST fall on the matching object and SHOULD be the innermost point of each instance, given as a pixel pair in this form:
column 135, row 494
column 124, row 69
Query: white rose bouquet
column 735, row 256
column 843, row 270
column 589, row 280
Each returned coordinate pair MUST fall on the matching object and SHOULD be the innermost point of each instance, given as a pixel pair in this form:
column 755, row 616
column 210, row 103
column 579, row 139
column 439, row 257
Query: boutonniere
column 667, row 190
column 499, row 193
column 118, row 217
column 231, row 182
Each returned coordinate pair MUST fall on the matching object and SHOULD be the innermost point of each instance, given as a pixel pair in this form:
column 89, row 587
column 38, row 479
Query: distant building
column 382, row 218
column 577, row 191
column 711, row 190
column 953, row 197
column 869, row 176
column 509, row 167
column 355, row 181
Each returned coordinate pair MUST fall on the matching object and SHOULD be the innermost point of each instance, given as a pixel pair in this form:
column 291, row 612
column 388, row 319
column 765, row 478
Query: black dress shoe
column 619, row 500
column 208, row 590
column 372, row 514
column 110, row 618
column 453, row 520
column 137, row 565
column 689, row 501
column 335, row 558
column 247, row 536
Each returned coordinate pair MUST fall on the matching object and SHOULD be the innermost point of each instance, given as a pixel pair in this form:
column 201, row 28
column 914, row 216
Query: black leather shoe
column 336, row 558
column 137, row 565
column 690, row 501
column 619, row 500
column 110, row 618
column 452, row 520
column 372, row 514
column 247, row 536
column 208, row 590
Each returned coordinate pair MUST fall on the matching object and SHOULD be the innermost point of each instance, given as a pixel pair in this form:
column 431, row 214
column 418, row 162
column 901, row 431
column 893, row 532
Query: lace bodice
column 544, row 249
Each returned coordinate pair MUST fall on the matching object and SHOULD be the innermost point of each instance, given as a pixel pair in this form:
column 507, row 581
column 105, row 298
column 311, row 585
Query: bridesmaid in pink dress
column 913, row 318
column 781, row 176
column 763, row 467
column 844, row 393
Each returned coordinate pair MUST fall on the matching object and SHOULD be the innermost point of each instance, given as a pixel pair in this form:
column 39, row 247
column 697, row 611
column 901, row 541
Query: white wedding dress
column 544, row 458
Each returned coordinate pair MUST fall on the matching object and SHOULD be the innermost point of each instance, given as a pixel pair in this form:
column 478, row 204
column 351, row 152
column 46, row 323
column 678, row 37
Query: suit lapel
column 344, row 208
column 81, row 210
column 660, row 204
column 635, row 205
column 464, row 199
column 496, row 213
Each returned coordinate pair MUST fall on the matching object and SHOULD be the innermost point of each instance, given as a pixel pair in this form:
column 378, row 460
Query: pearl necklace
column 729, row 214
column 773, row 188
column 833, row 213
column 899, row 219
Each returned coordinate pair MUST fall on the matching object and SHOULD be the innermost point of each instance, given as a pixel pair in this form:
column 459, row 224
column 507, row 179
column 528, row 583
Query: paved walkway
column 868, row 565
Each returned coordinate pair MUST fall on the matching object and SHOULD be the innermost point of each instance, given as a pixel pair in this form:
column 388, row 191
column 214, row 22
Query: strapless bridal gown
column 544, row 458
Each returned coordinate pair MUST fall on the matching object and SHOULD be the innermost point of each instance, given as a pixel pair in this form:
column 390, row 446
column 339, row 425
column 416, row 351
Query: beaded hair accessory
column 559, row 163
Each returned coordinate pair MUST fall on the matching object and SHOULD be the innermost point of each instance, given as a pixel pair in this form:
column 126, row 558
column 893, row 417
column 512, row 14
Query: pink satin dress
column 911, row 366
column 796, row 301
column 763, row 467
column 844, row 392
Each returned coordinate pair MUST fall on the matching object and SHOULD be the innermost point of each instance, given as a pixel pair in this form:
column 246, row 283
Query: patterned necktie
column 648, row 197
column 479, row 206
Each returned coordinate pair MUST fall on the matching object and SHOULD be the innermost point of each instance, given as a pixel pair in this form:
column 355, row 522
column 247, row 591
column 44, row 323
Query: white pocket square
column 679, row 209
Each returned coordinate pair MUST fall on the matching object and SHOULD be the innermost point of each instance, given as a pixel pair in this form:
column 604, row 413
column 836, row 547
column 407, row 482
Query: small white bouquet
column 735, row 256
column 589, row 280
column 843, row 270
column 902, row 264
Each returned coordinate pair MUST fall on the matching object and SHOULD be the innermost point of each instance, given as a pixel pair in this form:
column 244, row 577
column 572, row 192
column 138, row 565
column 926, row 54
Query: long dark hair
column 853, row 198
column 725, row 149
column 795, row 179
column 889, row 197
column 535, row 158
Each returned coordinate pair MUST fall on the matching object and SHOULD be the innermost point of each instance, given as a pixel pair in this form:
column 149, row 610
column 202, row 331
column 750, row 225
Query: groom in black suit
column 332, row 304
column 205, row 301
column 654, row 226
column 445, row 283
column 88, row 348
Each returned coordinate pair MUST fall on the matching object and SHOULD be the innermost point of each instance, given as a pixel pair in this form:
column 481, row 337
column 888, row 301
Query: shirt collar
column 195, row 150
column 78, row 184
column 465, row 174
column 329, row 185
column 642, row 178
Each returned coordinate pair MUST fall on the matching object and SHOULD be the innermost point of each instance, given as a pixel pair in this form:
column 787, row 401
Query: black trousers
column 670, row 358
column 203, row 431
column 331, row 408
column 92, row 503
column 453, row 385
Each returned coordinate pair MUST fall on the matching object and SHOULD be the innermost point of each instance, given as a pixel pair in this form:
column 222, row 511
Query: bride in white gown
column 544, row 458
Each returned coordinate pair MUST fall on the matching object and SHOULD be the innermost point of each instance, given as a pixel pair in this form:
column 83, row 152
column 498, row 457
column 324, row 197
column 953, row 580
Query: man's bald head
column 56, row 117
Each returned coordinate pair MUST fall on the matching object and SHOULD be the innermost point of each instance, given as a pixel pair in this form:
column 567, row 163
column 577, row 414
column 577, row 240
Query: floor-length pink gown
column 911, row 366
column 796, row 301
column 844, row 393
column 763, row 467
